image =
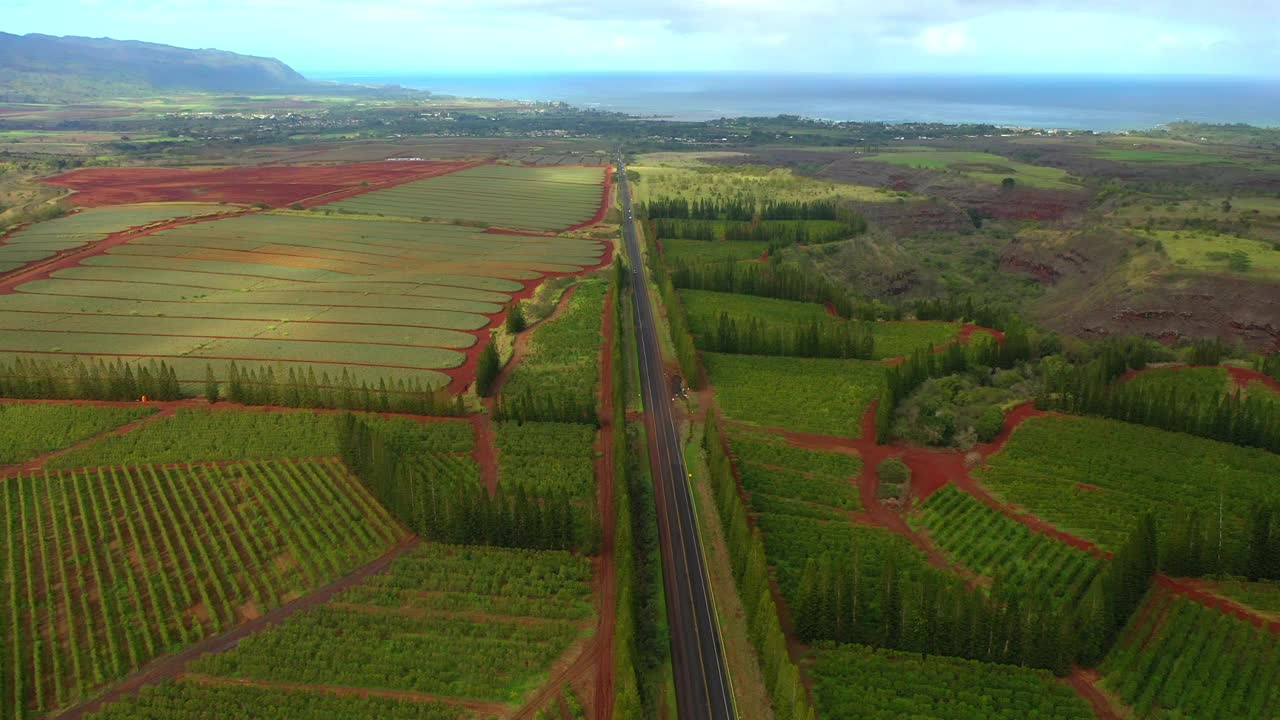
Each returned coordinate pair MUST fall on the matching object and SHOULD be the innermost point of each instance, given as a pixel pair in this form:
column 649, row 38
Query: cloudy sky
column 1239, row 37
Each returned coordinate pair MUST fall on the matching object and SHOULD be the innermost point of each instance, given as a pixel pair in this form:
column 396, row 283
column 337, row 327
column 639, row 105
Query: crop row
column 106, row 569
column 1178, row 658
column 546, row 459
column 1095, row 477
column 195, row 700
column 990, row 543
column 862, row 682
column 462, row 650
column 770, row 470
column 30, row 430
column 805, row 394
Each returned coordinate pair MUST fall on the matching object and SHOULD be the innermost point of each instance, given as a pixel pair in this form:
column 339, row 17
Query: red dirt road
column 273, row 185
column 1085, row 683
column 1199, row 591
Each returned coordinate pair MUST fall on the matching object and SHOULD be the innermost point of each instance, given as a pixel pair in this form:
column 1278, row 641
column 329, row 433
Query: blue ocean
column 1077, row 102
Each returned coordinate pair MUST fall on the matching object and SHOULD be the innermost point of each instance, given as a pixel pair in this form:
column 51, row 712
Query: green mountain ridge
column 45, row 68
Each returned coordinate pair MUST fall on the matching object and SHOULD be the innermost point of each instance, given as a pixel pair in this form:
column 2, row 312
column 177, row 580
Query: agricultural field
column 1095, row 477
column 546, row 459
column 730, row 183
column 856, row 681
column 822, row 396
column 1207, row 251
column 700, row 252
column 382, row 300
column 1262, row 596
column 984, row 167
column 274, row 185
column 29, row 430
column 206, row 698
column 563, row 352
column 215, row 435
column 790, row 480
column 1178, row 658
column 108, row 568
column 71, row 232
column 447, row 621
column 522, row 198
column 892, row 339
column 991, row 544
column 1184, row 382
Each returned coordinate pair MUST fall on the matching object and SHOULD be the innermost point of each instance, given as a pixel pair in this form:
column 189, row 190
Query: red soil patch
column 1085, row 683
column 1199, row 591
column 274, row 185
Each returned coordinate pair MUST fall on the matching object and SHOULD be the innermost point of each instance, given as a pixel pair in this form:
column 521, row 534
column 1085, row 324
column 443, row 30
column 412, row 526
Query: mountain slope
column 43, row 68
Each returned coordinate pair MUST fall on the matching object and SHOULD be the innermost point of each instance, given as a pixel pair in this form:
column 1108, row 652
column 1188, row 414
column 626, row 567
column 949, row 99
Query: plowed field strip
column 270, row 320
column 309, row 291
column 145, row 356
column 243, row 303
column 220, row 337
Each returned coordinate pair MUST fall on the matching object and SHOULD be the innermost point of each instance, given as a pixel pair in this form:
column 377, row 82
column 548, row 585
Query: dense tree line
column 1227, row 415
column 488, row 365
column 454, row 508
column 1269, row 365
column 677, row 321
column 952, row 309
column 778, row 233
column 548, row 404
column 751, row 574
column 88, row 380
column 743, row 209
column 772, row 279
column 748, row 335
column 295, row 388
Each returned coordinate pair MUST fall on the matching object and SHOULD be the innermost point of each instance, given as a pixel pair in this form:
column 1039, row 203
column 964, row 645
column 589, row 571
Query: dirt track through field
column 173, row 666
column 40, row 461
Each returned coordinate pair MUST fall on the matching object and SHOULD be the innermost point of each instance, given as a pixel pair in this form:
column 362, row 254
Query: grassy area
column 1207, row 251
column 1178, row 155
column 1095, row 477
column 788, row 480
column 760, row 184
column 809, row 395
column 1184, row 382
column 984, row 167
column 1263, row 596
column 697, row 252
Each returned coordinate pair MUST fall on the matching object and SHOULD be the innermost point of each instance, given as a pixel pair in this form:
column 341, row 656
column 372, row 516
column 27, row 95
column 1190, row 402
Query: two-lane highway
column 702, row 682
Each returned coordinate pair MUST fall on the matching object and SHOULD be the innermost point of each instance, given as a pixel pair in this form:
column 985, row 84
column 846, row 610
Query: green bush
column 893, row 471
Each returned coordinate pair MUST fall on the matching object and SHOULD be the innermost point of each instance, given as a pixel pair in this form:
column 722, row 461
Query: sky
column 1124, row 37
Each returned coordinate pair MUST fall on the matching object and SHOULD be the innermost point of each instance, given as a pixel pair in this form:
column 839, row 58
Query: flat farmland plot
column 106, row 569
column 542, row 198
column 29, row 430
column 856, row 681
column 1184, row 382
column 790, row 480
column 547, row 459
column 821, row 396
column 1096, row 477
column 563, row 352
column 46, row 239
column 451, row 621
column 207, row 699
column 700, row 252
column 379, row 299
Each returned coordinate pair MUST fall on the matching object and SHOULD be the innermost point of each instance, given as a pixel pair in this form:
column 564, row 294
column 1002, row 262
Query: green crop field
column 46, row 239
column 206, row 699
column 106, row 569
column 1168, row 156
column 199, row 435
column 786, row 479
column 1207, row 251
column 984, row 167
column 379, row 299
column 1184, row 382
column 1178, row 658
column 993, row 545
column 810, row 395
column 698, row 252
column 892, row 339
column 546, row 459
column 759, row 184
column 542, row 198
column 563, row 354
column 1096, row 477
column 30, row 430
column 855, row 681
column 1263, row 596
column 451, row 621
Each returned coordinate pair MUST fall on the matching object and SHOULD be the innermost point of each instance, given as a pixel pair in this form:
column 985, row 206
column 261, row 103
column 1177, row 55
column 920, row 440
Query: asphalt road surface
column 702, row 683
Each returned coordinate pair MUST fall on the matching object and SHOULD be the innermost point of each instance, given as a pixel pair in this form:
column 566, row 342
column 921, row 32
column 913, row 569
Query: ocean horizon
column 1101, row 103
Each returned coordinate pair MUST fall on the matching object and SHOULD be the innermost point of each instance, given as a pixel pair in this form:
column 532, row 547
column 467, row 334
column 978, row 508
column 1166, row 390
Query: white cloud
column 945, row 40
